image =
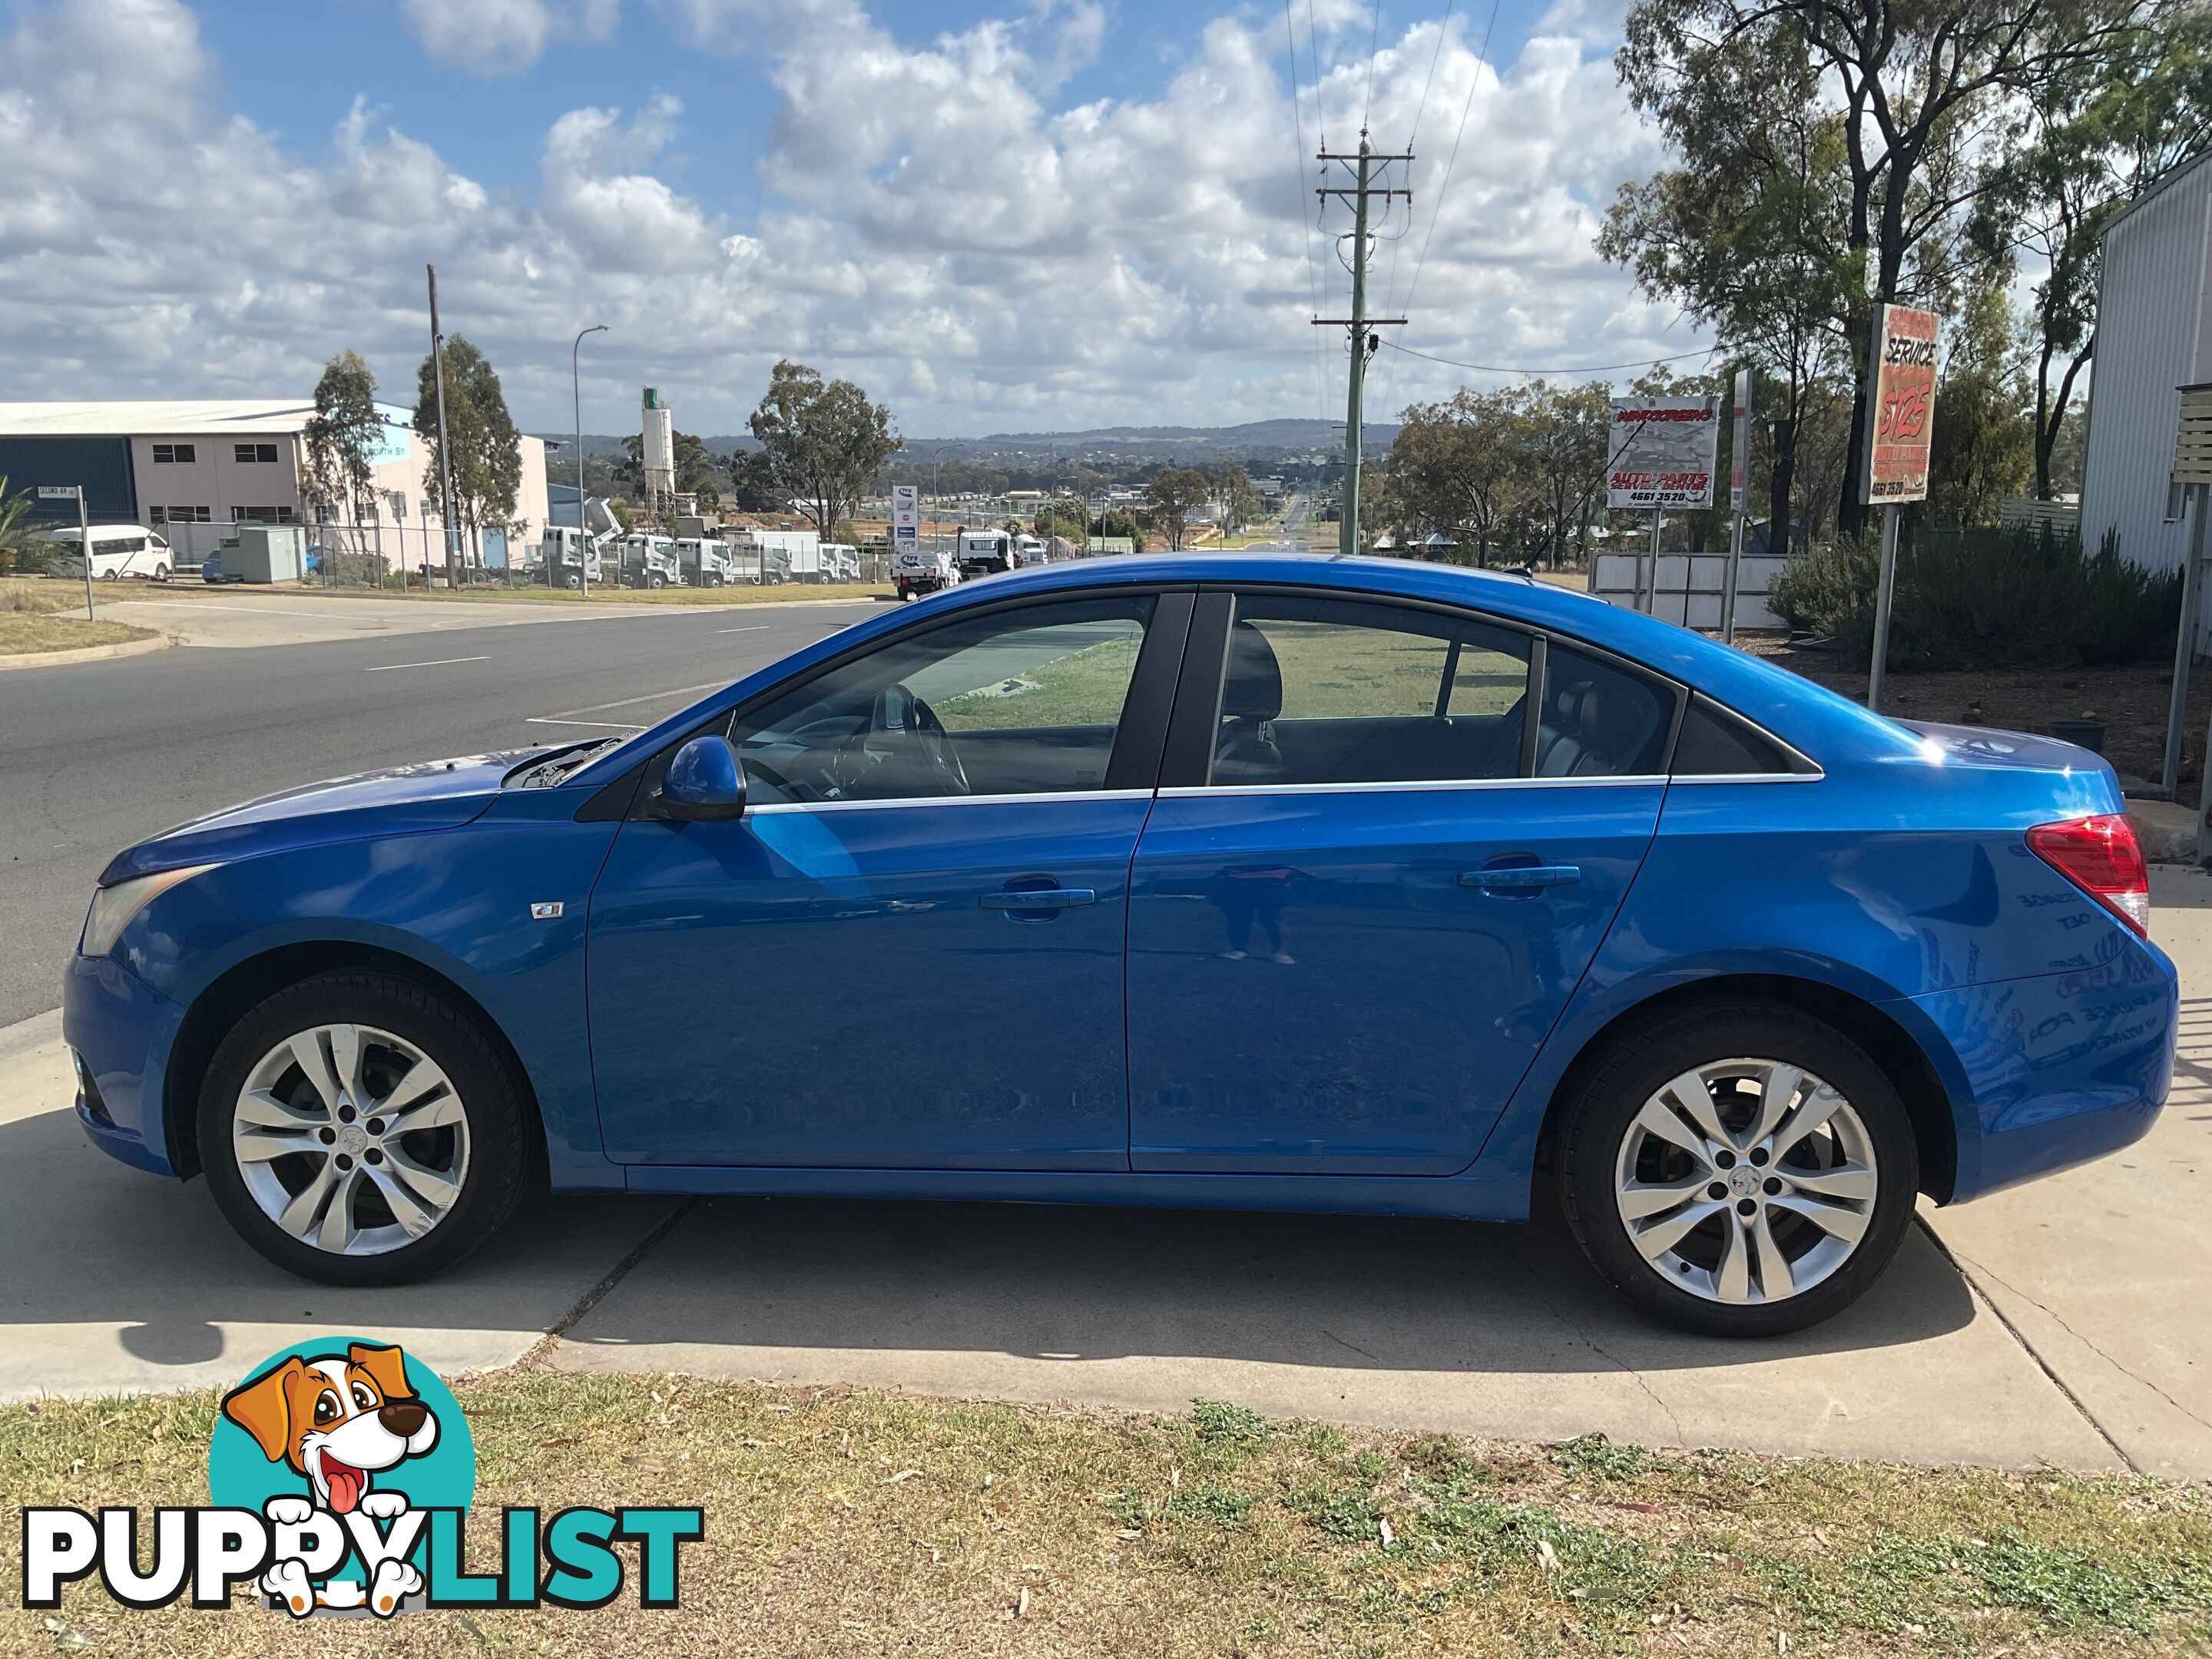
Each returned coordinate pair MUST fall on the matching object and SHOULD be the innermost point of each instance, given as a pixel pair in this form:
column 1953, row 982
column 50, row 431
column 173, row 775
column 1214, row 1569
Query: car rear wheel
column 360, row 1129
column 1744, row 1170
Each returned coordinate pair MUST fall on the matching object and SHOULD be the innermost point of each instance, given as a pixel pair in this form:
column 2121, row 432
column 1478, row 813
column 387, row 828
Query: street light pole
column 576, row 392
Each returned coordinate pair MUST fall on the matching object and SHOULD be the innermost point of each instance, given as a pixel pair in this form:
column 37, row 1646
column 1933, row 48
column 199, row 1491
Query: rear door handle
column 1040, row 898
column 1523, row 877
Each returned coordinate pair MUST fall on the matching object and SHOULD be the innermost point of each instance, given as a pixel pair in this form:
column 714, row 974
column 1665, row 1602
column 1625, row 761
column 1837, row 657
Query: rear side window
column 1599, row 720
column 1323, row 690
column 1716, row 742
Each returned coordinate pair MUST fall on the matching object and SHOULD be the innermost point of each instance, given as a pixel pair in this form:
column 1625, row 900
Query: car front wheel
column 1744, row 1171
column 360, row 1129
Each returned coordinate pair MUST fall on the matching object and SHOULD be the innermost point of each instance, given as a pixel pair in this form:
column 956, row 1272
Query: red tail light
column 2099, row 856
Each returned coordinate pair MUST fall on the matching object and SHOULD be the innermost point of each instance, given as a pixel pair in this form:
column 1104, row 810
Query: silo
column 658, row 426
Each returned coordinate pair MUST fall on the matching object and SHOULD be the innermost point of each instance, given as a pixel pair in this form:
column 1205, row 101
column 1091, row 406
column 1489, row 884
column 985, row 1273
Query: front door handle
column 1040, row 898
column 1523, row 877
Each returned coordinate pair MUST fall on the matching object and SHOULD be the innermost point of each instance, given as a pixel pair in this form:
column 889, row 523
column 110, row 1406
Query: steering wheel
column 904, row 750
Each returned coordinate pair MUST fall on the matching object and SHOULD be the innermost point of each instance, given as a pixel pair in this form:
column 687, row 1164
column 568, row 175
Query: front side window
column 1323, row 690
column 1024, row 701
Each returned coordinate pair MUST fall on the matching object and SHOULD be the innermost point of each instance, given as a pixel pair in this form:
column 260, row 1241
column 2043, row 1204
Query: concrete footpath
column 2064, row 1323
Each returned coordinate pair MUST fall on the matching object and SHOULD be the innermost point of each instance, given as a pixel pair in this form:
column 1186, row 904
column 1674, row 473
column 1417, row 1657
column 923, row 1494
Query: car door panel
column 828, row 988
column 1312, row 989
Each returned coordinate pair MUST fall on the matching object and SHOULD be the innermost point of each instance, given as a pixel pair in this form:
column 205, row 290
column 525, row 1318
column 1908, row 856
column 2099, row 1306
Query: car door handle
column 1040, row 898
column 1523, row 877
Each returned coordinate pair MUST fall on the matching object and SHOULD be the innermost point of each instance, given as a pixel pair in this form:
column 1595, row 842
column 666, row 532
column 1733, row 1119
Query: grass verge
column 32, row 619
column 846, row 1521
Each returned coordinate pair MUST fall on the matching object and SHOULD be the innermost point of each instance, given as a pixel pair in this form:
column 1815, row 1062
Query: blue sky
column 1035, row 213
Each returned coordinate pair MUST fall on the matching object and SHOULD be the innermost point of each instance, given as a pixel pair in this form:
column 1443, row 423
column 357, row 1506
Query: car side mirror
column 703, row 784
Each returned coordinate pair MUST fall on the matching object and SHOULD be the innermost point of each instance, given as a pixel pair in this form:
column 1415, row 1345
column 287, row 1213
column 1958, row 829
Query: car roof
column 1816, row 720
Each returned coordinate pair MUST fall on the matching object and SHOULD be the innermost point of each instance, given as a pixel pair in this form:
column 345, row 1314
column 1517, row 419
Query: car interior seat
column 1251, row 698
column 1587, row 731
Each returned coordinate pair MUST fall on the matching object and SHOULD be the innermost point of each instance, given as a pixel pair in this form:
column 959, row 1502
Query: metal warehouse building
column 197, row 469
column 2153, row 336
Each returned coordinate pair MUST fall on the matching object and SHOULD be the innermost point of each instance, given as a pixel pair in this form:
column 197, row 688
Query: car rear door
column 895, row 959
column 1389, row 840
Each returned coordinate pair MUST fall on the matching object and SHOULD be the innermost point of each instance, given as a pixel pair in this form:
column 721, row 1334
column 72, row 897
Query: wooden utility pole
column 1359, row 325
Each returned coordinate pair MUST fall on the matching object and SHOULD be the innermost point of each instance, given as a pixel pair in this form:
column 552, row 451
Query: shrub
column 1986, row 598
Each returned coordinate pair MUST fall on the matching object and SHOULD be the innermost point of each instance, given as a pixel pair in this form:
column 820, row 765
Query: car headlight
column 113, row 907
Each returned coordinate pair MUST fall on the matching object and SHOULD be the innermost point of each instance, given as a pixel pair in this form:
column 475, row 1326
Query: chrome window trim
column 1183, row 792
column 1814, row 776
column 766, row 808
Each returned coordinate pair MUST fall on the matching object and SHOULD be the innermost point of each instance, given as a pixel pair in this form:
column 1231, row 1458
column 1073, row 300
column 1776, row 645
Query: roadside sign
column 906, row 515
column 1740, row 440
column 57, row 492
column 1661, row 452
column 1904, row 406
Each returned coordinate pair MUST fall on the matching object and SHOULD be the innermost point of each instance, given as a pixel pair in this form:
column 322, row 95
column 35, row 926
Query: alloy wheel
column 1746, row 1181
column 351, row 1140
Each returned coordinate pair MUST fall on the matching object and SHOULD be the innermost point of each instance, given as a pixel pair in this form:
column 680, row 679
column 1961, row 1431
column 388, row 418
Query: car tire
column 161, row 573
column 476, row 1150
column 1631, row 1183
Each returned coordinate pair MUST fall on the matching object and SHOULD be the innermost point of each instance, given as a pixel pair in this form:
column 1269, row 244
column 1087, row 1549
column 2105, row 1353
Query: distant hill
column 1127, row 443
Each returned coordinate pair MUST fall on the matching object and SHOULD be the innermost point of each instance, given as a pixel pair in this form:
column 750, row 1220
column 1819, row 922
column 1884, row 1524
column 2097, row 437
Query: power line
column 1586, row 368
column 1374, row 40
column 1420, row 110
column 1481, row 57
column 1321, row 109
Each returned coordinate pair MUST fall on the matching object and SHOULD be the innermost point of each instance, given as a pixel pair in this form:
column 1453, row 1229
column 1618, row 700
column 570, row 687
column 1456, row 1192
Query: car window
column 1320, row 691
column 1716, row 742
column 1599, row 719
column 1012, row 702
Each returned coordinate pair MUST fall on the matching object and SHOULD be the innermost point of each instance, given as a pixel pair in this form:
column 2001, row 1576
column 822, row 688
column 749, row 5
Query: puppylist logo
column 340, row 1476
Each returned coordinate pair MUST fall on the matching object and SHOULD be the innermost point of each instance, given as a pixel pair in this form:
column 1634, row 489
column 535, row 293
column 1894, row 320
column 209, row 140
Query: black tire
column 503, row 1158
column 1595, row 1119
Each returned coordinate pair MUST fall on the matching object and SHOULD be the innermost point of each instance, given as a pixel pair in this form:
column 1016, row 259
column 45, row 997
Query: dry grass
column 32, row 618
column 790, row 592
column 844, row 1521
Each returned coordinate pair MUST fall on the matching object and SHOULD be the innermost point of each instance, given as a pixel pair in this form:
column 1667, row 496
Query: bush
column 1986, row 598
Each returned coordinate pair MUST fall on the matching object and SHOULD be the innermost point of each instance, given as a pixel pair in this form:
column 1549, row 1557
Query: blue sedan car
column 1242, row 882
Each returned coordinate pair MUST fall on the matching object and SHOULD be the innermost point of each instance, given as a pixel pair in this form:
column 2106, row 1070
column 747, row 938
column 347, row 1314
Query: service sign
column 1904, row 406
column 906, row 514
column 1661, row 452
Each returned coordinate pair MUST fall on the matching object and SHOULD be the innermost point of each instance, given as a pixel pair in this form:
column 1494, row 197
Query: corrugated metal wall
column 99, row 466
column 2151, row 339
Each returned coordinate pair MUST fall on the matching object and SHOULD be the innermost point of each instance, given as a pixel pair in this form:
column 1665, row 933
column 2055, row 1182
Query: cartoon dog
column 336, row 1420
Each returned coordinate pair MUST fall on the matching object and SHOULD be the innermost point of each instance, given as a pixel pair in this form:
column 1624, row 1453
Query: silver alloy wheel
column 351, row 1140
column 1746, row 1181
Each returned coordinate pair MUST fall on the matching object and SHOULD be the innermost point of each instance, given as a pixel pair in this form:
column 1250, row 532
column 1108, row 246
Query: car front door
column 907, row 952
column 1389, row 840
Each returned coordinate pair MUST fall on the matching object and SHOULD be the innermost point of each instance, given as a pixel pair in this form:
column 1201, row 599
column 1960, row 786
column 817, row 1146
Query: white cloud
column 502, row 37
column 983, row 261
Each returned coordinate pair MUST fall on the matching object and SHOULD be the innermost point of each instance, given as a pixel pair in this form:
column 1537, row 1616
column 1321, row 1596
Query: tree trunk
column 1780, row 486
column 1851, row 511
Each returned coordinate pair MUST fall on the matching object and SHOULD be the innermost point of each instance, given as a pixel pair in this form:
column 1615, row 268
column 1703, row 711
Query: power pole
column 445, row 456
column 1359, row 325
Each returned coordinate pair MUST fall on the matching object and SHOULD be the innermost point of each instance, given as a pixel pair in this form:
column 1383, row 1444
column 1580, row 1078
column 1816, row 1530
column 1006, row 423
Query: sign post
column 1738, row 466
column 1902, row 410
column 75, row 493
column 1673, row 440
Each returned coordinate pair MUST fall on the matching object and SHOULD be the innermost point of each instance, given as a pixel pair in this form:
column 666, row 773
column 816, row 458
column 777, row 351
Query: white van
column 123, row 550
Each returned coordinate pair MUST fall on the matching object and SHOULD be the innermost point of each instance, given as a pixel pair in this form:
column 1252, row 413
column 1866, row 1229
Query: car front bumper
column 121, row 1032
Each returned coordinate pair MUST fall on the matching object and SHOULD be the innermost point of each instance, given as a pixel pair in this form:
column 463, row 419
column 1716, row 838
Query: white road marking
column 754, row 629
column 626, row 702
column 442, row 662
column 606, row 725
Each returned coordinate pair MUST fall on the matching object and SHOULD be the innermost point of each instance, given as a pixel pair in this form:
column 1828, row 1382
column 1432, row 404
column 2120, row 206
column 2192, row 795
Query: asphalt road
column 93, row 757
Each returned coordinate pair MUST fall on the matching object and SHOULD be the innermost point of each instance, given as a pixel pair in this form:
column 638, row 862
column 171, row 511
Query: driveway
column 2063, row 1323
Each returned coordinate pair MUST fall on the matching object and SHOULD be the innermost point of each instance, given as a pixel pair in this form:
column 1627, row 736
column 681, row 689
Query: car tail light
column 2099, row 856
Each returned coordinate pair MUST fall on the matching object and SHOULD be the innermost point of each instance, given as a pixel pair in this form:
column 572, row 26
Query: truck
column 841, row 562
column 917, row 570
column 567, row 556
column 648, row 561
column 752, row 561
column 798, row 551
column 704, row 561
column 983, row 552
